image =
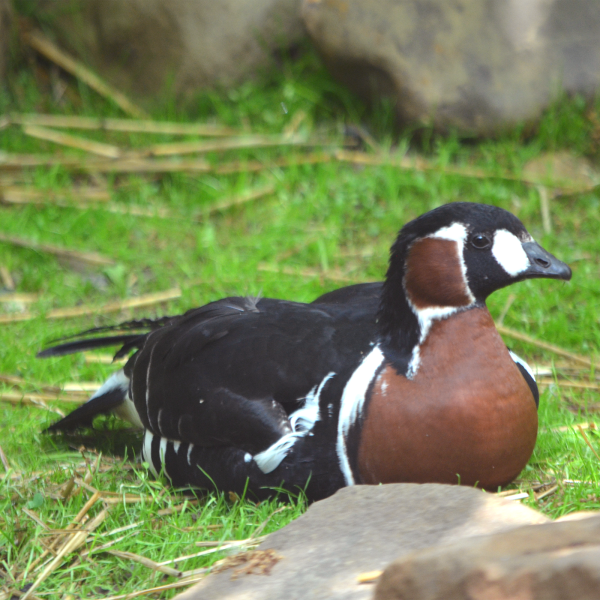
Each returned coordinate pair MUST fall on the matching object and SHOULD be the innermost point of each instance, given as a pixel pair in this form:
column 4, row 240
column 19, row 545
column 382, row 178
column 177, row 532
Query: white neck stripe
column 457, row 233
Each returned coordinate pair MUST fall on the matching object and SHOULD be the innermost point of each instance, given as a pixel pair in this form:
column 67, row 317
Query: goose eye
column 480, row 241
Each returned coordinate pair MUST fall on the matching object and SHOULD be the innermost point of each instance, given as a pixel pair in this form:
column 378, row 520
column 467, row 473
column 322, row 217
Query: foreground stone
column 361, row 529
column 477, row 66
column 554, row 561
column 150, row 47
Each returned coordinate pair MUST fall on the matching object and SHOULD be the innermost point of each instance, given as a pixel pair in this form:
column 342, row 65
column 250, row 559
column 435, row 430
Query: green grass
column 331, row 217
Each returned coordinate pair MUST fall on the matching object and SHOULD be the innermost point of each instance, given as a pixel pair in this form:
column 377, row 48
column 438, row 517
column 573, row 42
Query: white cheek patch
column 509, row 253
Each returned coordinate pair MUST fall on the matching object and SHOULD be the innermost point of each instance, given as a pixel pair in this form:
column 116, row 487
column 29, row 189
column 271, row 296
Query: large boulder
column 6, row 22
column 150, row 47
column 361, row 529
column 475, row 66
column 555, row 561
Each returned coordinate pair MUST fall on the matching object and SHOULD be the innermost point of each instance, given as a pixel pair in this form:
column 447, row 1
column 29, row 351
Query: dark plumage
column 270, row 392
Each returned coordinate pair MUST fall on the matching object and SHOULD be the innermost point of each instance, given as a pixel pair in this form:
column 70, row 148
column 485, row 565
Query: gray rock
column 555, row 561
column 576, row 173
column 6, row 22
column 360, row 529
column 476, row 66
column 149, row 47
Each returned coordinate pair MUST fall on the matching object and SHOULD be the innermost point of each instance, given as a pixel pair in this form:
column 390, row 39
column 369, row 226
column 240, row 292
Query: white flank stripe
column 117, row 381
column 268, row 460
column 128, row 412
column 509, row 253
column 305, row 418
column 189, row 454
column 302, row 421
column 147, row 451
column 352, row 403
column 521, row 362
column 306, row 412
column 148, row 384
column 162, row 452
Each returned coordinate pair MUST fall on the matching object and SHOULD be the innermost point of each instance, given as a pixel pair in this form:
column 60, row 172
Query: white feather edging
column 302, row 421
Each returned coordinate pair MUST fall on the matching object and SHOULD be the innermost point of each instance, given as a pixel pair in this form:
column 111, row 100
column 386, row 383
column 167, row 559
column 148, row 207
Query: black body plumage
column 218, row 388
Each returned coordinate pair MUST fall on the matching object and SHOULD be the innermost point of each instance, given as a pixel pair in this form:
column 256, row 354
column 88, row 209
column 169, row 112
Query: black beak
column 543, row 264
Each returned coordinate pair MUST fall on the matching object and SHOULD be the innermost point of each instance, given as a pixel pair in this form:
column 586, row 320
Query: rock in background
column 477, row 66
column 6, row 22
column 171, row 47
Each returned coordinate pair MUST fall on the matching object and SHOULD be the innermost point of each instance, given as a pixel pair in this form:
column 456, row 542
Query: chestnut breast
column 467, row 416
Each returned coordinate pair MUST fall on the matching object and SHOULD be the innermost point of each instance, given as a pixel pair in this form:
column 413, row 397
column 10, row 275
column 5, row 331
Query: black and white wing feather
column 232, row 372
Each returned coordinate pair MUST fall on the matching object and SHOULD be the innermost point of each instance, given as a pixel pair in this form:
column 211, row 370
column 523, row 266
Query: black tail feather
column 142, row 326
column 84, row 414
column 129, row 340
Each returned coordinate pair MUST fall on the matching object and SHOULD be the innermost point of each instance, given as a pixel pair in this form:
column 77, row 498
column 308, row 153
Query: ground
column 311, row 228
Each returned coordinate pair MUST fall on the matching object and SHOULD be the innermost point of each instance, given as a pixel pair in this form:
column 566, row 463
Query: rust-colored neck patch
column 467, row 416
column 433, row 275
